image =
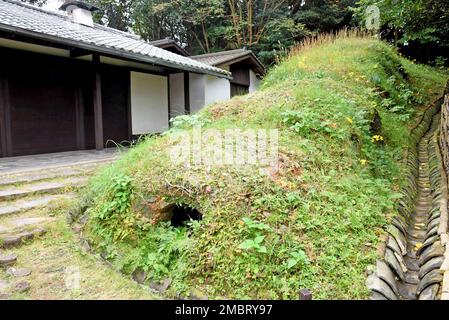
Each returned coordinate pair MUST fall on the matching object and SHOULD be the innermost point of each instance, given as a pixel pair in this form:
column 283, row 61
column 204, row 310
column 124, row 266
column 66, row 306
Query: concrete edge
column 72, row 165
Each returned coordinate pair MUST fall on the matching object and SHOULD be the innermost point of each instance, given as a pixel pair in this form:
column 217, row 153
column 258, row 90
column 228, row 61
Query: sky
column 53, row 4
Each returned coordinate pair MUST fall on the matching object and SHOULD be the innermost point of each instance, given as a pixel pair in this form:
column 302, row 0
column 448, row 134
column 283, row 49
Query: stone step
column 23, row 205
column 47, row 174
column 46, row 162
column 7, row 260
column 20, row 224
column 12, row 193
column 19, row 272
column 16, row 239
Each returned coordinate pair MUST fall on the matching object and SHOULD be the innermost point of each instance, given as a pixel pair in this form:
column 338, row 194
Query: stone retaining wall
column 439, row 205
column 444, row 137
column 391, row 268
column 444, row 156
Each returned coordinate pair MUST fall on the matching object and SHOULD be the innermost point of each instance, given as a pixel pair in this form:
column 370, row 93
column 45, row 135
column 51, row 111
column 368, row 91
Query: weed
column 314, row 223
column 114, row 220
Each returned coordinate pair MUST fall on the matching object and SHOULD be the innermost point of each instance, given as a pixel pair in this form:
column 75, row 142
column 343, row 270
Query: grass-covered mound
column 313, row 224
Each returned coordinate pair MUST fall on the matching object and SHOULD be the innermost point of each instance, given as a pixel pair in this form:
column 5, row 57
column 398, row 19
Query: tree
column 38, row 3
column 298, row 19
column 420, row 26
column 267, row 27
column 115, row 13
column 156, row 19
column 321, row 16
column 203, row 19
column 282, row 34
column 250, row 18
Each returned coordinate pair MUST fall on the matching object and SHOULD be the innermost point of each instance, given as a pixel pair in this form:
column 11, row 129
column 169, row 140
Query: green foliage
column 322, row 16
column 205, row 26
column 39, row 3
column 188, row 121
column 440, row 62
column 271, row 29
column 254, row 229
column 282, row 34
column 148, row 17
column 160, row 253
column 306, row 122
column 297, row 258
column 116, row 14
column 423, row 21
column 254, row 244
column 315, row 222
column 255, row 226
column 113, row 217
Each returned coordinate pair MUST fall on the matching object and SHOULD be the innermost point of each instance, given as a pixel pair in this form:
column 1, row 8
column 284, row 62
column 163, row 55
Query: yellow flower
column 349, row 120
column 377, row 138
column 363, row 162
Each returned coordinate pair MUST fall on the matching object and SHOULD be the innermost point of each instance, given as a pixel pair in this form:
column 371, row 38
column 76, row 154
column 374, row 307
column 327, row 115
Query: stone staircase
column 23, row 196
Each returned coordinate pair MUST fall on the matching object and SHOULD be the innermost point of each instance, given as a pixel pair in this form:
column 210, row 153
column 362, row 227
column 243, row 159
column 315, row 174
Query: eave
column 109, row 51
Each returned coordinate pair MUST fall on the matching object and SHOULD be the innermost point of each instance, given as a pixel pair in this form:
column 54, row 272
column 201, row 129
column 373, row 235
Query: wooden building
column 69, row 84
column 245, row 67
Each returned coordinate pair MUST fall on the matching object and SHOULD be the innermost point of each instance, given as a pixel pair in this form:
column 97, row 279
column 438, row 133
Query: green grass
column 52, row 256
column 314, row 224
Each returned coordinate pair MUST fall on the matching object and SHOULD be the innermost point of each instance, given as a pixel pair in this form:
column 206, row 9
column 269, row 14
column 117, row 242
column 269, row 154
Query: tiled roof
column 162, row 42
column 169, row 44
column 224, row 58
column 31, row 21
column 219, row 58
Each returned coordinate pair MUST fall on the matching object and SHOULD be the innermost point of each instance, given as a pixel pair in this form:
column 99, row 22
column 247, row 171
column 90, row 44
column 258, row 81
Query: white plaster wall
column 254, row 81
column 177, row 105
column 197, row 92
column 149, row 103
column 217, row 89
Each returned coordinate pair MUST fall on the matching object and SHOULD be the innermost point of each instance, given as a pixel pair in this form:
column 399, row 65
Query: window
column 240, row 81
column 238, row 89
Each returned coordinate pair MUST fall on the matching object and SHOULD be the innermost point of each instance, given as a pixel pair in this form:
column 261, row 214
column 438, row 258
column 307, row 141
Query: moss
column 316, row 222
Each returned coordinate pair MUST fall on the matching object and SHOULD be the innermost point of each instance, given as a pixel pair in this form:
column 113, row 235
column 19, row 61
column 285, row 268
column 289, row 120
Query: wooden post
column 305, row 294
column 80, row 136
column 129, row 109
column 98, row 107
column 5, row 118
column 2, row 119
column 187, row 92
column 168, row 100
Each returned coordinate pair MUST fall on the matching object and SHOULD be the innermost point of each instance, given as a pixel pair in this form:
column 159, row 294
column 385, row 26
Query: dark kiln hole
column 182, row 214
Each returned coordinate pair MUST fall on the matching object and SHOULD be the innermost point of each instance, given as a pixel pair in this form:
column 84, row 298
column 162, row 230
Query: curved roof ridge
column 219, row 53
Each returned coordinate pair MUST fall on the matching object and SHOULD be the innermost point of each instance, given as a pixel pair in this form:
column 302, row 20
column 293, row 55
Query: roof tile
column 25, row 18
